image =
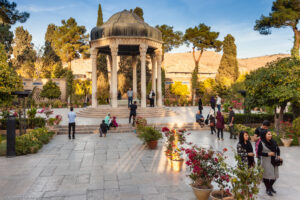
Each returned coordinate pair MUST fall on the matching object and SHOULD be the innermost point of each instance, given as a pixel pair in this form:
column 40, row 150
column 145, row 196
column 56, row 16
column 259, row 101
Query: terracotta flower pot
column 177, row 165
column 286, row 142
column 152, row 144
column 202, row 194
column 217, row 195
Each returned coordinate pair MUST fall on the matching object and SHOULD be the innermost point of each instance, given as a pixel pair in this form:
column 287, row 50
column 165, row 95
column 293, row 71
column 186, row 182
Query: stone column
column 109, row 67
column 143, row 51
column 114, row 77
column 153, row 61
column 94, row 53
column 134, row 79
column 159, row 93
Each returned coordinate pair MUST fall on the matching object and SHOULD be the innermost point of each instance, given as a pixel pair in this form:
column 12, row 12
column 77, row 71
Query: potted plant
column 150, row 136
column 286, row 133
column 203, row 166
column 140, row 123
column 245, row 181
column 222, row 178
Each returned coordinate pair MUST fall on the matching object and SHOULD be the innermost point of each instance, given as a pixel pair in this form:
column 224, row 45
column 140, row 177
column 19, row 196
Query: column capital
column 143, row 49
column 114, row 49
column 94, row 51
column 158, row 52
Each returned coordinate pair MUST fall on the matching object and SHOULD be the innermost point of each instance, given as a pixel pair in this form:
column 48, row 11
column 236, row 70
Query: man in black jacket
column 103, row 129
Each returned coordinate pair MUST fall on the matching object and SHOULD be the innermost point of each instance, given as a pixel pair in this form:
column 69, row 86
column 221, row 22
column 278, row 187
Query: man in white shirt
column 72, row 117
column 130, row 96
column 219, row 101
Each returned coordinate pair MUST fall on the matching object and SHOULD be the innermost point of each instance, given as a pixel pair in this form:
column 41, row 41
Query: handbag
column 278, row 162
column 212, row 124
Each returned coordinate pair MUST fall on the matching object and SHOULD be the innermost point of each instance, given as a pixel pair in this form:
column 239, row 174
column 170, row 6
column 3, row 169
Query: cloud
column 36, row 9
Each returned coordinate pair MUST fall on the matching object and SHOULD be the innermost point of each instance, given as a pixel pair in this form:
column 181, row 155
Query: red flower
column 225, row 149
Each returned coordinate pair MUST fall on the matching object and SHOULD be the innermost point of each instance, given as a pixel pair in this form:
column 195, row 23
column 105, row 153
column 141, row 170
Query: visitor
column 72, row 117
column 213, row 103
column 107, row 120
column 130, row 96
column 245, row 150
column 103, row 129
column 220, row 124
column 132, row 108
column 259, row 133
column 231, row 119
column 119, row 95
column 151, row 98
column 114, row 122
column 212, row 121
column 219, row 102
column 200, row 119
column 200, row 106
column 270, row 157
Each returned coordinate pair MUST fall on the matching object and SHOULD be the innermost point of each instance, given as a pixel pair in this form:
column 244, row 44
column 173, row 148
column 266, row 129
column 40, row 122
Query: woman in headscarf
column 107, row 120
column 268, row 150
column 220, row 124
column 114, row 122
column 213, row 102
column 245, row 150
column 212, row 121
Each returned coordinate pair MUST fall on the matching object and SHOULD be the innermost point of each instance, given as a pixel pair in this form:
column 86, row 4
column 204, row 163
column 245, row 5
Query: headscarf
column 219, row 115
column 246, row 146
column 272, row 145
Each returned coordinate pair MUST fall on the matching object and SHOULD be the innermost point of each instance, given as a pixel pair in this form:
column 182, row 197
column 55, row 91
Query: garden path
column 117, row 167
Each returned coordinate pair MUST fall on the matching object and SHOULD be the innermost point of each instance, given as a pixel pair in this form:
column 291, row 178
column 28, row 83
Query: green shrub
column 256, row 118
column 31, row 113
column 296, row 126
column 149, row 133
column 31, row 142
column 57, row 104
column 37, row 122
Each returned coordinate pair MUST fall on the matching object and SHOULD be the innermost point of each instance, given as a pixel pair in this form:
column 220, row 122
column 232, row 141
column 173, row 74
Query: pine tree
column 100, row 16
column 6, row 37
column 24, row 54
column 228, row 71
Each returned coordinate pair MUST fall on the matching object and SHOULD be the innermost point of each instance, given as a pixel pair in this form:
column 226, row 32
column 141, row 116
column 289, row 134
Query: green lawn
column 3, row 145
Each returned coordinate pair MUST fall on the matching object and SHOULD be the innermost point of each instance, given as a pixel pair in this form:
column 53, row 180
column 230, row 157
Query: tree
column 276, row 84
column 6, row 37
column 24, row 54
column 228, row 71
column 172, row 39
column 139, row 12
column 50, row 90
column 100, row 16
column 69, row 79
column 102, row 89
column 201, row 38
column 10, row 15
column 179, row 89
column 9, row 80
column 70, row 41
column 83, row 88
column 285, row 13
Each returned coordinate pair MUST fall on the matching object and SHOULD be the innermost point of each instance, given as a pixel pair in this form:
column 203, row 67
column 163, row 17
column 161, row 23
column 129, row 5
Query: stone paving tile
column 117, row 167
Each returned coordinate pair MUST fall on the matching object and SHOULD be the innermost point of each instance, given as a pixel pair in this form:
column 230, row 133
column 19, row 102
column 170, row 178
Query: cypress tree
column 100, row 16
column 228, row 70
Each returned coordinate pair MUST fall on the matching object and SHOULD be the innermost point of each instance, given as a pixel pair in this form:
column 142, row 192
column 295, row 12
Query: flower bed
column 31, row 142
column 256, row 118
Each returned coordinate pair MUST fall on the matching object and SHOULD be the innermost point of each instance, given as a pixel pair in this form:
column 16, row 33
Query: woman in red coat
column 220, row 124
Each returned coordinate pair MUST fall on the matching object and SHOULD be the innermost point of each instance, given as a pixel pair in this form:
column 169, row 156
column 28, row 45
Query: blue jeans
column 219, row 107
column 129, row 101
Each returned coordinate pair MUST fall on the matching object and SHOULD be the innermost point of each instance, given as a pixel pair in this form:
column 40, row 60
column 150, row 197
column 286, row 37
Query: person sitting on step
column 103, row 128
column 114, row 122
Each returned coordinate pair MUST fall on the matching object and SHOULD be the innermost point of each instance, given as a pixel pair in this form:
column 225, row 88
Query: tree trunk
column 295, row 50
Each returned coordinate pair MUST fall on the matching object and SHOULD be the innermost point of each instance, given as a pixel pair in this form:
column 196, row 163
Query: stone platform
column 123, row 112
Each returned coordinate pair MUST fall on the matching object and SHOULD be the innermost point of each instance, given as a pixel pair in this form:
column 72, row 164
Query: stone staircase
column 125, row 128
column 123, row 112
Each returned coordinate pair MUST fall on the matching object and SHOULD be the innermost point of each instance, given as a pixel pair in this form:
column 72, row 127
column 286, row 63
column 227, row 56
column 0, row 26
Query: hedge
column 257, row 118
column 36, row 122
column 31, row 142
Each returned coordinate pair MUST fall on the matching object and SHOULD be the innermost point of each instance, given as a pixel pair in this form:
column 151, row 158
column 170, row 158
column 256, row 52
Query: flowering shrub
column 287, row 131
column 205, row 165
column 245, row 181
column 236, row 104
column 46, row 111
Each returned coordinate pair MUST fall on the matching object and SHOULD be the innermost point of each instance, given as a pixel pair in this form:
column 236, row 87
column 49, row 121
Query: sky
column 235, row 17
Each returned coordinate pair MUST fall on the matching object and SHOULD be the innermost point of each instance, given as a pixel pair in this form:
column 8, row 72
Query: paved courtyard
column 117, row 167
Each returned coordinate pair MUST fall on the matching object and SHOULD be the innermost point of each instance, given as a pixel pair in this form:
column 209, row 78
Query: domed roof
column 125, row 23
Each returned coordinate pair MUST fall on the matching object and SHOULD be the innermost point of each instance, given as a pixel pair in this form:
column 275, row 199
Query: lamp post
column 22, row 103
